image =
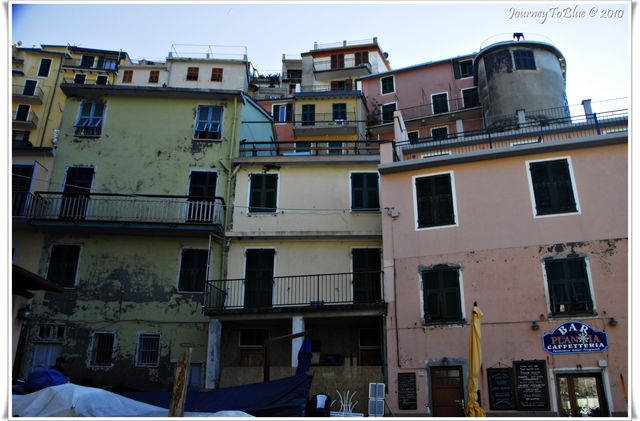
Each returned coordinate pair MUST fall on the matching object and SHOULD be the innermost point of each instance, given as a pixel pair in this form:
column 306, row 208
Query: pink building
column 529, row 220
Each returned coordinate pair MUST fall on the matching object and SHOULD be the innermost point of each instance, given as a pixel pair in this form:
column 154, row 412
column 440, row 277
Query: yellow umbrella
column 473, row 409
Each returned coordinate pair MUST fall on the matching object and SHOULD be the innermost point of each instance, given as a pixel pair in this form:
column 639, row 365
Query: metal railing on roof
column 347, row 63
column 345, row 43
column 208, row 51
column 513, row 37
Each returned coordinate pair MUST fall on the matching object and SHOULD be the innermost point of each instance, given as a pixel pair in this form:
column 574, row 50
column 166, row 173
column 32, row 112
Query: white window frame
column 82, row 75
column 547, row 294
column 283, row 106
column 454, row 200
column 106, row 78
column 382, row 112
column 464, row 105
column 92, row 348
column 460, row 61
column 93, row 63
column 40, row 65
column 103, row 118
column 351, row 210
column 244, row 271
column 34, row 88
column 433, row 111
column 394, row 84
column 423, row 316
column 139, row 336
column 277, row 196
column 209, row 122
column 76, row 281
column 15, row 117
column 438, row 127
column 209, row 268
column 573, row 186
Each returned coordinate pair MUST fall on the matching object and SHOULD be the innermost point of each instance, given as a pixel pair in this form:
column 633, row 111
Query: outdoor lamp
column 25, row 314
column 535, row 325
column 613, row 321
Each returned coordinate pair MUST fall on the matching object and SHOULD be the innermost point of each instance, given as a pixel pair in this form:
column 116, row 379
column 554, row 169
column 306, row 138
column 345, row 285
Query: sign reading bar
column 501, row 388
column 573, row 338
column 407, row 396
column 532, row 388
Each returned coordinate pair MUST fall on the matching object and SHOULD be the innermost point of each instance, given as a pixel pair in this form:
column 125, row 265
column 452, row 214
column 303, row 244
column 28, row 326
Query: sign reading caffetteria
column 573, row 338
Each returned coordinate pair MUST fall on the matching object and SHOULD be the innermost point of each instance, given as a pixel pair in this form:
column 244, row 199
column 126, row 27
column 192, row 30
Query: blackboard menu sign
column 532, row 387
column 501, row 394
column 407, row 396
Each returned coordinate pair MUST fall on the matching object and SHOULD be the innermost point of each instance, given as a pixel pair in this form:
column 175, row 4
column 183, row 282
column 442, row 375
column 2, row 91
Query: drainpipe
column 230, row 176
column 53, row 94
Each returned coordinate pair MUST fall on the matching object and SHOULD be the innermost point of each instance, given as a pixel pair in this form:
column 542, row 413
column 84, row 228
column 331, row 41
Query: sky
column 597, row 49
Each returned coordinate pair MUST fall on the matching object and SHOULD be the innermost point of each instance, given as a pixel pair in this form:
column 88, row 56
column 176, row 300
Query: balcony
column 550, row 126
column 310, row 148
column 126, row 211
column 27, row 94
column 325, row 124
column 294, row 293
column 327, row 69
column 106, row 65
column 469, row 103
column 22, row 120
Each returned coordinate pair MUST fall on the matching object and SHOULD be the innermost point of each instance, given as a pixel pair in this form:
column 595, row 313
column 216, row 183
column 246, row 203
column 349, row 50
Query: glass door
column 581, row 395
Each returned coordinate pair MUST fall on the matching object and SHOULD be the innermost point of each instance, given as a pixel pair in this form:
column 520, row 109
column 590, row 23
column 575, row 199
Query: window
column 127, row 77
column 216, row 74
column 523, row 60
column 263, row 193
column 294, row 74
column 340, row 112
column 154, row 76
column 440, row 103
column 462, row 69
column 439, row 133
column 441, row 294
column 208, row 122
column 387, row 111
column 193, row 270
column 251, row 346
column 192, row 73
column 20, row 137
column 63, row 264
column 337, row 61
column 282, row 113
column 102, row 349
column 79, row 79
column 370, row 344
column 569, row 290
column 52, row 332
column 21, row 177
column 387, row 85
column 341, row 85
column 308, row 115
column 108, row 64
column 90, row 120
column 552, row 187
column 45, row 66
column 413, row 136
column 434, row 200
column 364, row 191
column 362, row 57
column 148, row 351
column 87, row 61
column 22, row 113
column 470, row 97
column 29, row 87
column 101, row 80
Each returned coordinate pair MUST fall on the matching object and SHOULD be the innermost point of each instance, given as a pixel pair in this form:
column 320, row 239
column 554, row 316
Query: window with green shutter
column 263, row 193
column 552, row 187
column 441, row 294
column 63, row 264
column 568, row 282
column 364, row 192
column 434, row 201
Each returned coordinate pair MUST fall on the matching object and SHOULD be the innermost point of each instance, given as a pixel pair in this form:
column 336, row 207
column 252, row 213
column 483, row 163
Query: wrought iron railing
column 321, row 290
column 329, row 88
column 324, row 119
column 302, row 147
column 346, row 43
column 30, row 91
column 345, row 64
column 112, row 207
column 426, row 110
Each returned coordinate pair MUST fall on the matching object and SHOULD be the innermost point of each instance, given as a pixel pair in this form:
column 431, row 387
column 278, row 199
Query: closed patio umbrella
column 473, row 408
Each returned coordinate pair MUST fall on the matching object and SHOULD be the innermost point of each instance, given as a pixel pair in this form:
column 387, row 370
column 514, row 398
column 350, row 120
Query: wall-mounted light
column 25, row 314
column 613, row 321
column 535, row 325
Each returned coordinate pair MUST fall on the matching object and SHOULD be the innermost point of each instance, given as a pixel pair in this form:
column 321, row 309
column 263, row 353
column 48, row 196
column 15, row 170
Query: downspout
column 231, row 174
column 53, row 94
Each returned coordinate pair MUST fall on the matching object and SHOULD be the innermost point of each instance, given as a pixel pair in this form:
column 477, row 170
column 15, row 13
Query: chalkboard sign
column 532, row 388
column 407, row 396
column 501, row 394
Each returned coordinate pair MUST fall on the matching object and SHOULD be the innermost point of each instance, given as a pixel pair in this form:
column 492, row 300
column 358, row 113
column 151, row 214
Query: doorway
column 202, row 192
column 447, row 392
column 581, row 395
column 367, row 268
column 258, row 290
column 77, row 187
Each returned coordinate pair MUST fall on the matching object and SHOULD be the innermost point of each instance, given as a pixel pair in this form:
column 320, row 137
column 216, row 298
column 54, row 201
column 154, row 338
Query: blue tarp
column 304, row 356
column 277, row 398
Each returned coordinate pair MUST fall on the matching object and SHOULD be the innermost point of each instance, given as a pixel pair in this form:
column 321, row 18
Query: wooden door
column 447, row 391
column 258, row 289
column 366, row 275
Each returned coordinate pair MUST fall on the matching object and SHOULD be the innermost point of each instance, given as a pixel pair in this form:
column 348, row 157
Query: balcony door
column 202, row 192
column 75, row 197
column 258, row 287
column 22, row 176
column 366, row 275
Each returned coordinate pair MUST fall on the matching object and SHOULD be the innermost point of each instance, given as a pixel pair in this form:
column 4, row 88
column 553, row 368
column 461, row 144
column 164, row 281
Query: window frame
column 393, row 80
column 464, row 104
column 436, row 128
column 452, row 322
column 413, row 141
column 208, row 123
column 76, row 279
column 93, row 349
column 48, row 69
column 32, row 180
column 35, row 87
column 382, row 120
column 574, row 188
column 88, row 56
column 589, row 282
column 277, row 195
column 308, row 107
column 18, row 111
column 433, row 108
column 208, row 268
column 363, row 209
column 102, row 77
column 288, row 109
column 453, row 199
column 127, row 76
column 154, row 76
column 78, row 131
column 459, row 72
column 339, row 113
column 214, row 72
column 191, row 73
column 79, row 75
column 140, row 336
column 526, row 61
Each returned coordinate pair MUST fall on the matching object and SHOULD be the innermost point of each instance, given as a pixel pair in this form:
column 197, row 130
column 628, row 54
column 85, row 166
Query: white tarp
column 71, row 400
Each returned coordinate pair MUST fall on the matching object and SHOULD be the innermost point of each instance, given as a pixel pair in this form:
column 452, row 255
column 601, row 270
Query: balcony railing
column 72, row 81
column 33, row 92
column 324, row 65
column 112, row 207
column 427, row 110
column 328, row 88
column 318, row 291
column 345, row 43
column 328, row 119
column 108, row 65
column 542, row 126
column 310, row 148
